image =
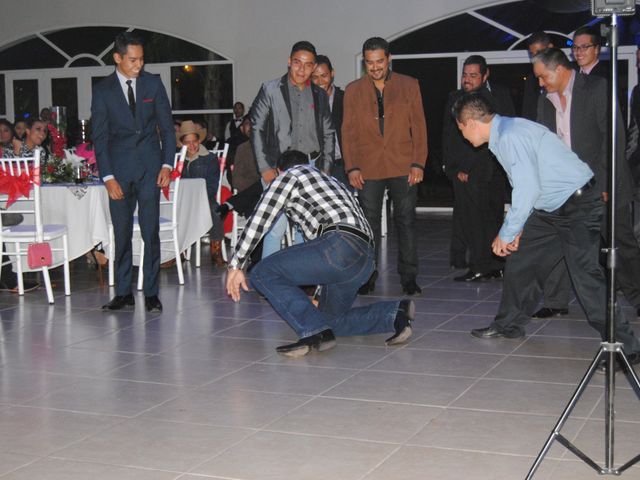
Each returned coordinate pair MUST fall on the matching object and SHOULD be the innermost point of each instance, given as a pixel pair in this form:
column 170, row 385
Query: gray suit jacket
column 271, row 121
column 590, row 132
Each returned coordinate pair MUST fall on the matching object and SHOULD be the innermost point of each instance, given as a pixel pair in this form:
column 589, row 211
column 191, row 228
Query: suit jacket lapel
column 139, row 97
column 577, row 105
column 118, row 93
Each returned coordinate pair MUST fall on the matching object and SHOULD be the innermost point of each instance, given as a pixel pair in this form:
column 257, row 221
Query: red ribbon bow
column 175, row 173
column 14, row 186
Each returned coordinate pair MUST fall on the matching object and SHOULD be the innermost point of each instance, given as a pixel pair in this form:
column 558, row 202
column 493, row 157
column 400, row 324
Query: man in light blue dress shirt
column 554, row 214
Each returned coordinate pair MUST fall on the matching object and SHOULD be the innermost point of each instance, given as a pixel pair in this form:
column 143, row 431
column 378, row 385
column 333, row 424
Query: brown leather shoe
column 216, row 254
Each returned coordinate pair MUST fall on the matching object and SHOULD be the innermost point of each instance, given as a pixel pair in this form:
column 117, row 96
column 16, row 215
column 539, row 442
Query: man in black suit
column 586, row 51
column 576, row 108
column 478, row 180
column 135, row 146
column 232, row 129
column 323, row 76
column 536, row 42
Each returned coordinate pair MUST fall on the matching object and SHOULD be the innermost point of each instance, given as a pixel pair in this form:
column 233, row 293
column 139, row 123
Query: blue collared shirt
column 542, row 170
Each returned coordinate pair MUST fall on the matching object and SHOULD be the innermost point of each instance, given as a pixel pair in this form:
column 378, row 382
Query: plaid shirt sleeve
column 272, row 202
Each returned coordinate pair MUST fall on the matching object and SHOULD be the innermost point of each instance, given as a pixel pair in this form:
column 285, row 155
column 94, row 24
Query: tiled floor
column 198, row 392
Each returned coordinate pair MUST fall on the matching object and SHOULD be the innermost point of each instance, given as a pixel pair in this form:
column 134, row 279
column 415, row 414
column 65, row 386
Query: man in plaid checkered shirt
column 338, row 255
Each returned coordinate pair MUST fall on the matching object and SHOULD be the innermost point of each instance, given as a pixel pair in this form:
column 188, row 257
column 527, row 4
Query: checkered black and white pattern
column 309, row 198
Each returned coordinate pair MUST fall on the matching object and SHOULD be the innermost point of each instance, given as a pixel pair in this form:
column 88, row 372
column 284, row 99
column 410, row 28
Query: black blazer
column 458, row 155
column 590, row 131
column 601, row 70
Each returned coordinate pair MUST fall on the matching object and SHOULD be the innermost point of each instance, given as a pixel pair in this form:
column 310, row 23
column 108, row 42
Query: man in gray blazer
column 576, row 108
column 291, row 113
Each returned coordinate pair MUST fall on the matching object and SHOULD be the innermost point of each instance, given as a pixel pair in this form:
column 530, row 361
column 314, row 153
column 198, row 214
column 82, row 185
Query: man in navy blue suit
column 135, row 146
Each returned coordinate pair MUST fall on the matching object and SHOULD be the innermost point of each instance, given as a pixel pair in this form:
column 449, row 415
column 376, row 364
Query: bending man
column 339, row 255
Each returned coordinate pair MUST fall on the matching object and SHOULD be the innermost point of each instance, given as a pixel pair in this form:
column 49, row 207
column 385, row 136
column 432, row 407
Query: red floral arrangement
column 58, row 141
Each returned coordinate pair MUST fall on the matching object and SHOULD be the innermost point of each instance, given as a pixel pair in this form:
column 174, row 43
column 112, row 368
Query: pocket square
column 147, row 100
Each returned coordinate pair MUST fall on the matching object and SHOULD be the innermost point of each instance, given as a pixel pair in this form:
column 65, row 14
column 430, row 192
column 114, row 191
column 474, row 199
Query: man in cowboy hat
column 201, row 163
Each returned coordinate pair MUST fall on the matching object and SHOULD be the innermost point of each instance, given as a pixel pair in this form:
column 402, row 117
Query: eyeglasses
column 582, row 48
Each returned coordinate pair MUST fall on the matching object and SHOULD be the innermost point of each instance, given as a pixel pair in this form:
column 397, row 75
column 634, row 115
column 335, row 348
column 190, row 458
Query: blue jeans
column 341, row 263
column 273, row 239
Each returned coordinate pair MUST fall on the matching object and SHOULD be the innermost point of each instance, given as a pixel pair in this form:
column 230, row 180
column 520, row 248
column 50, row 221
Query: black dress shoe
column 411, row 288
column 493, row 332
column 634, row 359
column 402, row 323
column 152, row 304
column 119, row 302
column 546, row 312
column 370, row 286
column 471, row 276
column 319, row 342
column 468, row 277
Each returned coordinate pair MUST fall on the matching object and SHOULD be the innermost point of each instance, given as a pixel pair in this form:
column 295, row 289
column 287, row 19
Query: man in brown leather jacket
column 384, row 137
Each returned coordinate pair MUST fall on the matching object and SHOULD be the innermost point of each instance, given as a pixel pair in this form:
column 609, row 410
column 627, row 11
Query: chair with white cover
column 221, row 151
column 26, row 171
column 167, row 224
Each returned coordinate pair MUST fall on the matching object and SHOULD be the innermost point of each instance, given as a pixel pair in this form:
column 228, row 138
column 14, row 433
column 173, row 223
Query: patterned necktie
column 132, row 99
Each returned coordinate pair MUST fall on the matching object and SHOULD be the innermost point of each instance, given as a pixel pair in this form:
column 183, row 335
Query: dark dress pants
column 483, row 216
column 557, row 289
column 458, row 246
column 145, row 193
column 628, row 271
column 404, row 199
column 572, row 232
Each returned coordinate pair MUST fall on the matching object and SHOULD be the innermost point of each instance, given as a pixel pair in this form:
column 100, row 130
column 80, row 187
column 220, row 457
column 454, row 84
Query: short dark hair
column 303, row 45
column 539, row 37
column 472, row 105
column 477, row 60
column 239, row 103
column 291, row 158
column 596, row 39
column 324, row 60
column 8, row 124
column 376, row 43
column 551, row 58
column 31, row 121
column 124, row 39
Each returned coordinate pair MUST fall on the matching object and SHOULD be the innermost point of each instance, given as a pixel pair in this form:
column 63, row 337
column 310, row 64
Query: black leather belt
column 587, row 186
column 346, row 229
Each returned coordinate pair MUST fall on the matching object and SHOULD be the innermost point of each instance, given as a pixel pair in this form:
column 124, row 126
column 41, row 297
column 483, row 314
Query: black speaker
column 606, row 8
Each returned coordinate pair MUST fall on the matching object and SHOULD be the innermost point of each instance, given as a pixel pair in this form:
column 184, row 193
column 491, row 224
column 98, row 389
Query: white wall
column 256, row 34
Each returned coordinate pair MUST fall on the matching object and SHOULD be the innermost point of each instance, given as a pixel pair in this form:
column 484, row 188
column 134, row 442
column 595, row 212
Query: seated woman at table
column 9, row 144
column 200, row 163
column 35, row 135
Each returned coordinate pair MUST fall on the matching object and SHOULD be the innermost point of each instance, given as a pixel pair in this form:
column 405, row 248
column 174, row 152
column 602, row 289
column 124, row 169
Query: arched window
column 59, row 67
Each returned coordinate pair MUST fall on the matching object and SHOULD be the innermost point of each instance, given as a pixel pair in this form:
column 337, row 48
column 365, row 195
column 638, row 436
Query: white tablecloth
column 85, row 211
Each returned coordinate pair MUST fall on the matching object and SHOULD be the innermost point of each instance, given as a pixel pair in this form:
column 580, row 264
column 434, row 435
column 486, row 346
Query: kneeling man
column 555, row 214
column 338, row 255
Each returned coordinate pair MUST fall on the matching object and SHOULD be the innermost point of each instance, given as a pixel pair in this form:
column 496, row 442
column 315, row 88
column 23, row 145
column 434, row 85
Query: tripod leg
column 565, row 415
column 609, row 419
column 635, row 384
